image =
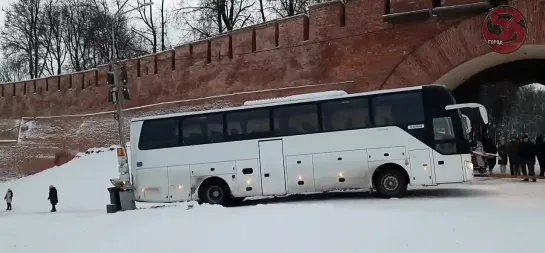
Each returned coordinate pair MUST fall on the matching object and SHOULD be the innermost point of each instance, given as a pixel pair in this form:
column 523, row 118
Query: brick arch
column 456, row 54
column 466, row 70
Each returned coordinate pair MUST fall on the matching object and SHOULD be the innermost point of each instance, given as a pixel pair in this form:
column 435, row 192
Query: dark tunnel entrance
column 514, row 106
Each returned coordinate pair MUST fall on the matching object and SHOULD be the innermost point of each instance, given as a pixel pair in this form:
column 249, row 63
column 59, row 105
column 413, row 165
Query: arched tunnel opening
column 513, row 95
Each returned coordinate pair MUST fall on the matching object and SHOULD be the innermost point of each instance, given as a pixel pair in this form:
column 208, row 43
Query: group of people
column 520, row 154
column 53, row 198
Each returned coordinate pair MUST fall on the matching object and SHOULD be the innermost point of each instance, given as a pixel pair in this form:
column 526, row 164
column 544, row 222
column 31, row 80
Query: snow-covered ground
column 489, row 215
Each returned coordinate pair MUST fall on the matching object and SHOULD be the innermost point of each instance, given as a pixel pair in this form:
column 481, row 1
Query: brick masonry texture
column 337, row 42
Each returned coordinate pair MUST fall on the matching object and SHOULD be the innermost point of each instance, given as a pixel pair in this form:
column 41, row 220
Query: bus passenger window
column 398, row 109
column 202, row 129
column 296, row 119
column 248, row 124
column 383, row 115
column 192, row 134
column 345, row 114
column 159, row 133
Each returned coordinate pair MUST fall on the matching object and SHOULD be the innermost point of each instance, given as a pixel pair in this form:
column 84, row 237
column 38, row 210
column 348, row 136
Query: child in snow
column 53, row 198
column 8, row 198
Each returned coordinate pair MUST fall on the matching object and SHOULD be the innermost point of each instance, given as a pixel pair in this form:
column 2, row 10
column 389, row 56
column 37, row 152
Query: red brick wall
column 336, row 42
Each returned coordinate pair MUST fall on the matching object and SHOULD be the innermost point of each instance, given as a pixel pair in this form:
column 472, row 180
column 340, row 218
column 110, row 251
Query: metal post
column 117, row 97
column 117, row 88
column 123, row 182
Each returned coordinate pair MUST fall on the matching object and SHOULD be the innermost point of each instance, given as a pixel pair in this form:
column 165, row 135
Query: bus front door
column 271, row 161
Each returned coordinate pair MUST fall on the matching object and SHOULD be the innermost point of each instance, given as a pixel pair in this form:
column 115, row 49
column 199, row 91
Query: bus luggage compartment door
column 179, row 180
column 421, row 167
column 271, row 161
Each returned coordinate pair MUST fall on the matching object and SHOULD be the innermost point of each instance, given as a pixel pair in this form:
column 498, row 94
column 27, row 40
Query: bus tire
column 391, row 183
column 215, row 192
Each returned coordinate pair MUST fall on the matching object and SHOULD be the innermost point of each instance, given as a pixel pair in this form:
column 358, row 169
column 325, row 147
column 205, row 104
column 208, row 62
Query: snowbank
column 81, row 184
column 448, row 219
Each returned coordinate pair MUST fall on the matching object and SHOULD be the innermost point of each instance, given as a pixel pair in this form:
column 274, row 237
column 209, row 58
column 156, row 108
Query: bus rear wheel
column 391, row 183
column 215, row 193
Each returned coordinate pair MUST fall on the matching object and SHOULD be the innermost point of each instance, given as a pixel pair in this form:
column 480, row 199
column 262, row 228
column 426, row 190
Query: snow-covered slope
column 81, row 184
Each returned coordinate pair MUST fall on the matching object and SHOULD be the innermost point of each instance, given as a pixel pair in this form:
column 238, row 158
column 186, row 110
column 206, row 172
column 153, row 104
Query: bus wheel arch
column 391, row 180
column 214, row 190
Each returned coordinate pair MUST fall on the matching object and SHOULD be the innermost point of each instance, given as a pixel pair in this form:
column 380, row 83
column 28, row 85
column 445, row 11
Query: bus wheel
column 391, row 183
column 215, row 193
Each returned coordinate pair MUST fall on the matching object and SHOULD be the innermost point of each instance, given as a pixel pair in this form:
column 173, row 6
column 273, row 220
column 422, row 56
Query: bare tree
column 163, row 25
column 262, row 11
column 52, row 36
column 207, row 18
column 13, row 69
column 149, row 33
column 75, row 16
column 56, row 35
column 23, row 34
column 286, row 8
column 526, row 114
column 88, row 25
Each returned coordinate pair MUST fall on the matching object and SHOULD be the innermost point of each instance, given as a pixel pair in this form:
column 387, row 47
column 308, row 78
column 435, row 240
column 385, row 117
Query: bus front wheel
column 215, row 193
column 391, row 183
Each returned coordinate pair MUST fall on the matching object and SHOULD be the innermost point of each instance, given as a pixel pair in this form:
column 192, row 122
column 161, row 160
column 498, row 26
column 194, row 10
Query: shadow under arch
column 492, row 80
column 465, row 71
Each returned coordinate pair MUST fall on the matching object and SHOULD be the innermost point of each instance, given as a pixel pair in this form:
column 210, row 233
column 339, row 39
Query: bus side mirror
column 467, row 123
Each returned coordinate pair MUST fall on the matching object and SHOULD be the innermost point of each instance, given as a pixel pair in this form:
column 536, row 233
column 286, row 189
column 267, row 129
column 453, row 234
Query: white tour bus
column 383, row 140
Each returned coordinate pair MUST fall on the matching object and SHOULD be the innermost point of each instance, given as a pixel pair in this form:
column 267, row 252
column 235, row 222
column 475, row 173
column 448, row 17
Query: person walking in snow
column 502, row 152
column 53, row 198
column 8, row 198
column 527, row 154
column 540, row 153
column 490, row 147
column 513, row 154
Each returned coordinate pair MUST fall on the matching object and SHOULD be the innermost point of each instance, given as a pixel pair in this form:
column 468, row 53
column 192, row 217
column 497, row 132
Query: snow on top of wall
column 314, row 95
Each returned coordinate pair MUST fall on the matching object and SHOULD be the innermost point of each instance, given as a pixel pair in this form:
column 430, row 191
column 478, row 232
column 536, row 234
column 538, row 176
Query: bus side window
column 248, row 124
column 214, row 128
column 345, row 114
column 398, row 109
column 383, row 115
column 202, row 129
column 296, row 119
column 159, row 133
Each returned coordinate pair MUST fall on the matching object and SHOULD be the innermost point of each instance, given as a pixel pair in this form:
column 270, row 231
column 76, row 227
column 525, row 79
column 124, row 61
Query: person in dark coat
column 513, row 154
column 540, row 153
column 527, row 154
column 502, row 153
column 8, row 198
column 490, row 147
column 53, row 198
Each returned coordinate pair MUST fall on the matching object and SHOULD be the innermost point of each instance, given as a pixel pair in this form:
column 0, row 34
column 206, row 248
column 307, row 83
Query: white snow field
column 489, row 215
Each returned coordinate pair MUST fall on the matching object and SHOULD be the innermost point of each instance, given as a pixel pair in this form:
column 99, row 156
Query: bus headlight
column 469, row 165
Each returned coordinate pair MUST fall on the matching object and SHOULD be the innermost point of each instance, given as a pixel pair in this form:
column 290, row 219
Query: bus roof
column 271, row 102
